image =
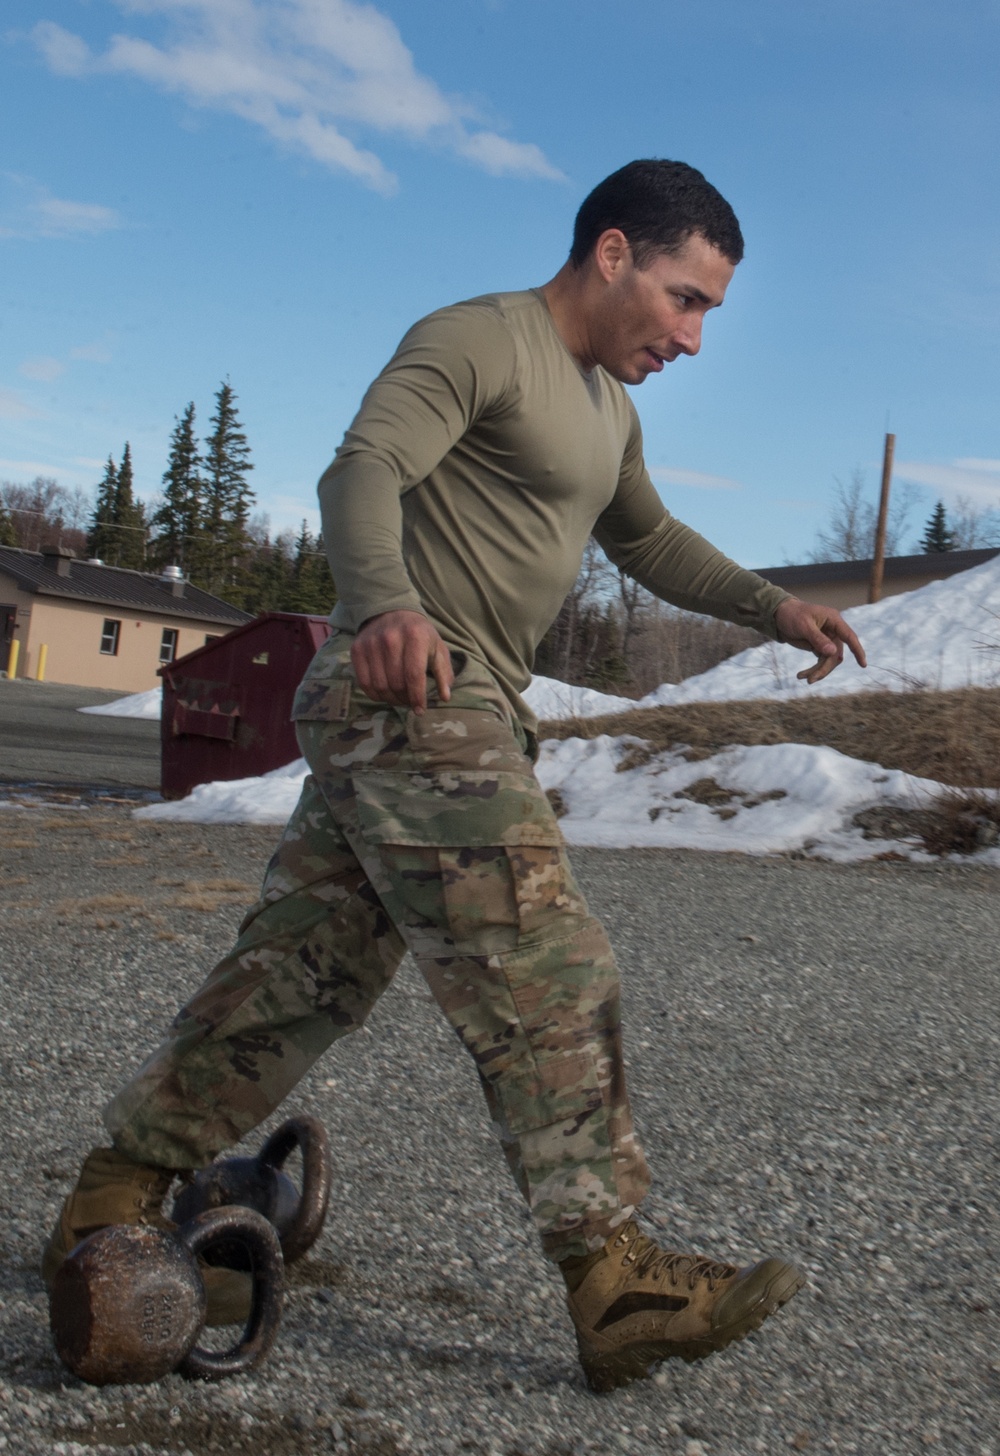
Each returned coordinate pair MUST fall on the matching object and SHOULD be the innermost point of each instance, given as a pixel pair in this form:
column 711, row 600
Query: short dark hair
column 658, row 205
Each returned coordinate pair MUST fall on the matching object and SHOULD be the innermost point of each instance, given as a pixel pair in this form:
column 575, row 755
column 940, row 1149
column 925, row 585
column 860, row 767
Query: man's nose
column 687, row 335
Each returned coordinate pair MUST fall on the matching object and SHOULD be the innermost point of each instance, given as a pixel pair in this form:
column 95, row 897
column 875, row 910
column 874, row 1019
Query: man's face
column 648, row 316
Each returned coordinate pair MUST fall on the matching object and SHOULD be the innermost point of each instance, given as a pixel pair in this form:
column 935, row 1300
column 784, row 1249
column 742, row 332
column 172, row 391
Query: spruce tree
column 177, row 523
column 129, row 518
column 102, row 538
column 937, row 534
column 228, row 498
column 313, row 590
column 325, row 586
column 267, row 581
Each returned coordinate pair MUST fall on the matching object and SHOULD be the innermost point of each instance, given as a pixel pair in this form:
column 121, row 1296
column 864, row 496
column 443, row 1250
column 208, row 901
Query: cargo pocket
column 556, row 1117
column 470, row 851
column 558, row 1090
column 453, row 808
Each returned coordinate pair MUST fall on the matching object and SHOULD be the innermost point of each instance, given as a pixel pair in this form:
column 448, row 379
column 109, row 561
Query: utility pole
column 878, row 564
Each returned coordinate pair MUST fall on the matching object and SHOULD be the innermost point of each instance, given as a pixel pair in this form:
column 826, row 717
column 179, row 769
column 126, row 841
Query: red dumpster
column 226, row 706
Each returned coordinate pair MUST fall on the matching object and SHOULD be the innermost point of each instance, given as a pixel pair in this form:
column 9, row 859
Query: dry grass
column 116, row 901
column 963, row 823
column 210, row 895
column 228, row 887
column 953, row 737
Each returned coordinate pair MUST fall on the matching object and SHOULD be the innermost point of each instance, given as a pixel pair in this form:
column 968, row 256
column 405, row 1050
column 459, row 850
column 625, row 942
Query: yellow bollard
column 43, row 653
column 15, row 648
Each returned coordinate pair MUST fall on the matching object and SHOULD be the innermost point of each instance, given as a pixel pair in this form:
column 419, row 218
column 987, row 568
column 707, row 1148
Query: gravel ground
column 815, row 1059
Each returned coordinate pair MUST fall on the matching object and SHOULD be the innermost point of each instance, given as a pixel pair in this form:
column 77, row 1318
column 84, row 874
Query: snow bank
column 136, row 705
column 550, row 698
column 269, row 799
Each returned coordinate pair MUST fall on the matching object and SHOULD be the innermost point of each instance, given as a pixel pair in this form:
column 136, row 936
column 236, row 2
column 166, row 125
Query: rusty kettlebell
column 127, row 1305
column 259, row 1183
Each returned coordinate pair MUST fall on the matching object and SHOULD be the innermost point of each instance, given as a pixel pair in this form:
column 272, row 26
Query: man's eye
column 683, row 299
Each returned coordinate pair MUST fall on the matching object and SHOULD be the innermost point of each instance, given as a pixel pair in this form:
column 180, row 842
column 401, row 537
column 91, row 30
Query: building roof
column 113, row 586
column 932, row 563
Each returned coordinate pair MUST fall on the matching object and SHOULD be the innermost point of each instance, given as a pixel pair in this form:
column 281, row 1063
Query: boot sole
column 636, row 1362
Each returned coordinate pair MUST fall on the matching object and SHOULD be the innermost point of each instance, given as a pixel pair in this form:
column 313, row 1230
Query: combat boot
column 113, row 1189
column 635, row 1304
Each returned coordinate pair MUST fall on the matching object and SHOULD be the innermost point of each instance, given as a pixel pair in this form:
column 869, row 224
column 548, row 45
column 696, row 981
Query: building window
column 211, row 637
column 109, row 637
column 168, row 644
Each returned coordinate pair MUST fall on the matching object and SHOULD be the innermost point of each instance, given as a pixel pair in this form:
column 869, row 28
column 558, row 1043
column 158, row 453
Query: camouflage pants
column 428, row 833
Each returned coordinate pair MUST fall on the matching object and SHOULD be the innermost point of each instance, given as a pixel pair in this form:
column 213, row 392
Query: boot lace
column 648, row 1260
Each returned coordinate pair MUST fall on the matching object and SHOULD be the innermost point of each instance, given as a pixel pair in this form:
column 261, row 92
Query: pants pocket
column 560, row 1093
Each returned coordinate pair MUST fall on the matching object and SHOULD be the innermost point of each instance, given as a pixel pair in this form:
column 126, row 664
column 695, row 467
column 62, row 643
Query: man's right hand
column 392, row 656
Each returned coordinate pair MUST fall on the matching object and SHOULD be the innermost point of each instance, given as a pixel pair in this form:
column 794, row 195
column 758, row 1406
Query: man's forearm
column 678, row 565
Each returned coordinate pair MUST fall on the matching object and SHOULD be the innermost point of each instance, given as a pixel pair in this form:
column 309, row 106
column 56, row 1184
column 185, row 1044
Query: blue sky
column 273, row 190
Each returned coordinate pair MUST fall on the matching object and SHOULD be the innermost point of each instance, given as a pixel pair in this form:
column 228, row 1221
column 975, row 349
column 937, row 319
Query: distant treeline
column 201, row 522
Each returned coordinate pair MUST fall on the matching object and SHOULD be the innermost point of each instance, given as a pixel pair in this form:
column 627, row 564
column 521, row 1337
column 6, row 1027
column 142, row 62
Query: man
column 456, row 512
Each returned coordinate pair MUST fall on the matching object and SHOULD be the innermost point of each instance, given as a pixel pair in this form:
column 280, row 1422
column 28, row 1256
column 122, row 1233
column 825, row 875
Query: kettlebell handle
column 308, row 1134
column 251, row 1229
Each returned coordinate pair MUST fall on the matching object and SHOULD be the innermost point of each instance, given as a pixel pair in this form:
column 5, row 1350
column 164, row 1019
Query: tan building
column 100, row 626
column 843, row 584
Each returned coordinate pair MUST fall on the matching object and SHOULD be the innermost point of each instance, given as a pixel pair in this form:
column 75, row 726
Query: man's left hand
column 817, row 629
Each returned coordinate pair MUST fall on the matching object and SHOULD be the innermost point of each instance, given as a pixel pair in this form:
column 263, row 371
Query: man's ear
column 611, row 253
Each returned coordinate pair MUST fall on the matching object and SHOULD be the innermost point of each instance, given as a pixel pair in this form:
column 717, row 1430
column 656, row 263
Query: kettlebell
column 127, row 1305
column 259, row 1183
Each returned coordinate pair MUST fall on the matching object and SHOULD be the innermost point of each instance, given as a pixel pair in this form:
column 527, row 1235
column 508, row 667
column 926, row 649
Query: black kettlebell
column 127, row 1305
column 259, row 1183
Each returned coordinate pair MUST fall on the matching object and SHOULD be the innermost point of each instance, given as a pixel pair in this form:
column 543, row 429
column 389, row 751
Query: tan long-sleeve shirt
column 480, row 461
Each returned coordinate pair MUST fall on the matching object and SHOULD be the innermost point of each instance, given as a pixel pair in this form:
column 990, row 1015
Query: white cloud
column 92, row 353
column 300, row 70
column 66, row 54
column 31, row 468
column 29, row 210
column 974, row 480
column 501, row 157
column 666, row 475
column 991, row 467
column 13, row 407
column 58, row 218
column 287, row 511
column 43, row 368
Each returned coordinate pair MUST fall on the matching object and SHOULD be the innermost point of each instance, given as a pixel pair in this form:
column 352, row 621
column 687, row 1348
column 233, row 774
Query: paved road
column 43, row 739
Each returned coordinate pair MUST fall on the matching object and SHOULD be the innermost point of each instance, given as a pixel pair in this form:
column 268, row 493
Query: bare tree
column 45, row 513
column 568, row 647
column 850, row 535
column 974, row 527
column 613, row 634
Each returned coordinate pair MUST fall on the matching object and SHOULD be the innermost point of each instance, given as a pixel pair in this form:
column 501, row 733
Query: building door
column 8, row 621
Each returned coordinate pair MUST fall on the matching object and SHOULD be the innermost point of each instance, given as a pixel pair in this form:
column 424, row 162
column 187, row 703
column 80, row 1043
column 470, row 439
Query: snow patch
column 136, row 705
column 268, row 799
